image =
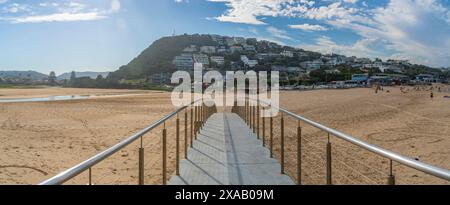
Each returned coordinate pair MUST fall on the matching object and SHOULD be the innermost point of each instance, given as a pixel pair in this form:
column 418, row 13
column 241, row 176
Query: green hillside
column 158, row 57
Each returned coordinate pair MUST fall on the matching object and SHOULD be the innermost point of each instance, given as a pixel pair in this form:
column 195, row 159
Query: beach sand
column 41, row 139
column 411, row 124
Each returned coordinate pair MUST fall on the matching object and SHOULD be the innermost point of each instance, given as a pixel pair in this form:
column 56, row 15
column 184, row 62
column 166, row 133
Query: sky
column 102, row 35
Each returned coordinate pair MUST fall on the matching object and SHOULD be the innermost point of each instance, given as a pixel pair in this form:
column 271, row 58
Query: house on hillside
column 312, row 65
column 190, row 49
column 219, row 60
column 184, row 61
column 208, row 49
column 201, row 58
column 248, row 62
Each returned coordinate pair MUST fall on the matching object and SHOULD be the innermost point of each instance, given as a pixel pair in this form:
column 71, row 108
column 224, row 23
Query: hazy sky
column 102, row 35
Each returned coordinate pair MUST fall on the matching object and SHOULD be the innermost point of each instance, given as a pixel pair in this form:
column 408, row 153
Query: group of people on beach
column 405, row 90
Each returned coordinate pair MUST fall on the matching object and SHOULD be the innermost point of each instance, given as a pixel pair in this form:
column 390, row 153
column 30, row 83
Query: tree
column 52, row 79
column 73, row 76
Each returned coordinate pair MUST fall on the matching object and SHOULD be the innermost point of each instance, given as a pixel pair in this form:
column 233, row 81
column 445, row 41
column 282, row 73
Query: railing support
column 177, row 171
column 141, row 163
column 164, row 156
column 391, row 178
column 141, row 166
column 271, row 137
column 90, row 176
column 185, row 135
column 329, row 170
column 192, row 127
column 258, row 116
column 264, row 131
column 299, row 155
column 282, row 145
column 254, row 119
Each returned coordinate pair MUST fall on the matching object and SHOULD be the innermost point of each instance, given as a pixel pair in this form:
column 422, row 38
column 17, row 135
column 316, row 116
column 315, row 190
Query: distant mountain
column 158, row 57
column 32, row 75
column 92, row 75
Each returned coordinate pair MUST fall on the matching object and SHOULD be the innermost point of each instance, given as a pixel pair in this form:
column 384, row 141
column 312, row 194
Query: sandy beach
column 41, row 139
column 411, row 124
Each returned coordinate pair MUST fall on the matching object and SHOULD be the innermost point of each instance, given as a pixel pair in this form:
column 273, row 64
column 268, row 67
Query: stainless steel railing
column 250, row 112
column 199, row 113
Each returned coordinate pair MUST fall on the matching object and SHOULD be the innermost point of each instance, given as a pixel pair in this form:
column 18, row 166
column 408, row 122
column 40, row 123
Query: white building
column 219, row 60
column 249, row 48
column 288, row 54
column 392, row 68
column 190, row 49
column 248, row 62
column 240, row 40
column 363, row 60
column 234, row 49
column 230, row 41
column 218, row 39
column 184, row 61
column 201, row 58
column 373, row 65
column 208, row 49
column 312, row 65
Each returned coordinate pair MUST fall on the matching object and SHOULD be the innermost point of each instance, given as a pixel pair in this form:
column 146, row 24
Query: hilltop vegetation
column 158, row 57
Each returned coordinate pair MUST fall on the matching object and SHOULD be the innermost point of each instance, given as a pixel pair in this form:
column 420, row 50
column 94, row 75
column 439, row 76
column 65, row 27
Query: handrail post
column 299, row 154
column 196, row 122
column 250, row 109
column 185, row 134
column 246, row 111
column 264, row 131
column 254, row 119
column 164, row 153
column 192, row 127
column 329, row 170
column 258, row 115
column 271, row 137
column 141, row 163
column 178, row 147
column 391, row 178
column 90, row 175
column 282, row 144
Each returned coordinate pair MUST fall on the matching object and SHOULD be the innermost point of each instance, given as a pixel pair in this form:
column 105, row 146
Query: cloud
column 350, row 1
column 247, row 12
column 278, row 33
column 361, row 48
column 308, row 27
column 415, row 29
column 68, row 11
column 59, row 17
column 115, row 6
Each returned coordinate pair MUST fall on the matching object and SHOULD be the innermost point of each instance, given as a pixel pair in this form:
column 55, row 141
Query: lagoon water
column 45, row 99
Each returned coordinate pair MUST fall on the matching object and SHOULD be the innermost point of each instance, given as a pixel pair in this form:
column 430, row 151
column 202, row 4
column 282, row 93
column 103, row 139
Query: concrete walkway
column 228, row 153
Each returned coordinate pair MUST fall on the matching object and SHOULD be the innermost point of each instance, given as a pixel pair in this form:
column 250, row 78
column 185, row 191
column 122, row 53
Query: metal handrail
column 86, row 165
column 407, row 161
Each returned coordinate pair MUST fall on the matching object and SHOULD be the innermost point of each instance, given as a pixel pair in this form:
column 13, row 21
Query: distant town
column 298, row 68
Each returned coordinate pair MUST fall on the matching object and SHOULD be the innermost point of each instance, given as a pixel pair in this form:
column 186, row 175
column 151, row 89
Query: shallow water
column 46, row 99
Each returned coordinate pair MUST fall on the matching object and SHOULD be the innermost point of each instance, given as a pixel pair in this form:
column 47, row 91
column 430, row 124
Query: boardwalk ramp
column 227, row 152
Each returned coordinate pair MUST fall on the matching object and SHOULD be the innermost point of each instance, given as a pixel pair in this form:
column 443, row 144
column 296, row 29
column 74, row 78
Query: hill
column 158, row 57
column 92, row 75
column 30, row 75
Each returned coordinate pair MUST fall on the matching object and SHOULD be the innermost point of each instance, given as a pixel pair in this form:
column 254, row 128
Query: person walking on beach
column 432, row 95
